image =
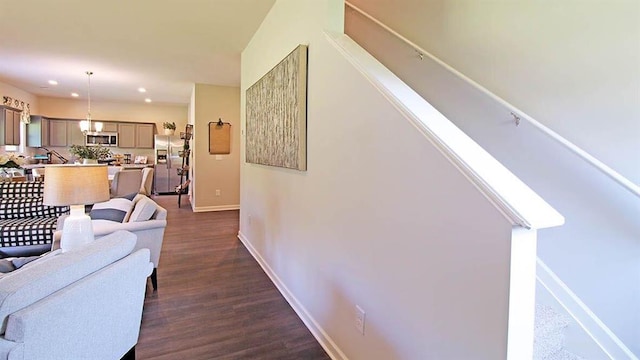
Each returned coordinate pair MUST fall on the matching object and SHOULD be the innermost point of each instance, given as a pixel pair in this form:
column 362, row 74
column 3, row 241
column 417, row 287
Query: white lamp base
column 77, row 230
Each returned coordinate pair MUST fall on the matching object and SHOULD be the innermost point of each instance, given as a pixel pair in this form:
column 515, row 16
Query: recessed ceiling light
column 142, row 90
column 74, row 94
column 53, row 82
column 147, row 100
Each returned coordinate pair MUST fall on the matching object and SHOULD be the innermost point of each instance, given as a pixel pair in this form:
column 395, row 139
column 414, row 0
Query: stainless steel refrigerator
column 167, row 163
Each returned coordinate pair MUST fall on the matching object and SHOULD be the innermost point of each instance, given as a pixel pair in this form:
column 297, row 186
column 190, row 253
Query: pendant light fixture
column 85, row 125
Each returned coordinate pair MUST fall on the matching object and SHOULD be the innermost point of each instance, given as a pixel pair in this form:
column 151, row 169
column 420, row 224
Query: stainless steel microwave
column 101, row 138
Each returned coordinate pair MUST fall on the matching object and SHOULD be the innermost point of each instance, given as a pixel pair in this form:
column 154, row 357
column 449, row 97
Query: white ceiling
column 162, row 45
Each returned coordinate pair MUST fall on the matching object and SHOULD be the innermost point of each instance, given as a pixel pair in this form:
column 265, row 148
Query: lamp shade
column 75, row 185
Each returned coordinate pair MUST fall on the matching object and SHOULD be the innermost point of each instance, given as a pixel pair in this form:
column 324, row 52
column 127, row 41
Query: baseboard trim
column 216, row 208
column 325, row 341
column 590, row 323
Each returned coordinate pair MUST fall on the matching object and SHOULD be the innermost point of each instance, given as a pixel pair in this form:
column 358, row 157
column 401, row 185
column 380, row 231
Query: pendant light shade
column 85, row 125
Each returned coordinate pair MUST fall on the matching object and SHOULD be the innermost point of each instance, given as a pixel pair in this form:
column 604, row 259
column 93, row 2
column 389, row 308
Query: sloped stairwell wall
column 574, row 68
column 381, row 218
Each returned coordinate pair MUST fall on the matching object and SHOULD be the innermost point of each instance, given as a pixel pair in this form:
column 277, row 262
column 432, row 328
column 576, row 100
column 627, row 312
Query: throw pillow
column 19, row 208
column 21, row 261
column 143, row 211
column 116, row 209
column 14, row 263
column 129, row 196
column 6, row 265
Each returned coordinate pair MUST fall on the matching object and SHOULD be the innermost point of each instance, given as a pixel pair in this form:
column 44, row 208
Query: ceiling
column 164, row 46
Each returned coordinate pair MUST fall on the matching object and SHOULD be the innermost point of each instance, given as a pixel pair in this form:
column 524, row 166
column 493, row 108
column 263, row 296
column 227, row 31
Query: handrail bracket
column 516, row 118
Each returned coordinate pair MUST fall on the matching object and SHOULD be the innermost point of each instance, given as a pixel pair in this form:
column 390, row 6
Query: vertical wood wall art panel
column 276, row 117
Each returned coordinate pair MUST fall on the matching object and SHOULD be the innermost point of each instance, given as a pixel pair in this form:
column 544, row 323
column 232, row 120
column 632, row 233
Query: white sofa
column 150, row 233
column 82, row 304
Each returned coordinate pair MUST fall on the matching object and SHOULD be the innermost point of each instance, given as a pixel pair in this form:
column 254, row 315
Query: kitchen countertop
column 126, row 166
column 136, row 166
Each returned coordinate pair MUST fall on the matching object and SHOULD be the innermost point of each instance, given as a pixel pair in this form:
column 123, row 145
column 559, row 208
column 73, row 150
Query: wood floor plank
column 213, row 299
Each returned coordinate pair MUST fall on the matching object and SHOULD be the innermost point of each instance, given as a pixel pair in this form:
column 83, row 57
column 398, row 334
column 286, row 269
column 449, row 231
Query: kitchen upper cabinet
column 58, row 133
column 9, row 127
column 135, row 135
column 110, row 127
column 144, row 136
column 74, row 134
column 126, row 135
column 38, row 131
column 53, row 132
column 45, row 131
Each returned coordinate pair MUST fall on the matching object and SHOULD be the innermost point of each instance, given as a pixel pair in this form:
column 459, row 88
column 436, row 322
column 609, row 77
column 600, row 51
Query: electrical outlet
column 217, row 192
column 360, row 315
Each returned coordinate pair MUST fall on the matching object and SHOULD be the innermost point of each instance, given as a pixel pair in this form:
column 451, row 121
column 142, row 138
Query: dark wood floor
column 213, row 299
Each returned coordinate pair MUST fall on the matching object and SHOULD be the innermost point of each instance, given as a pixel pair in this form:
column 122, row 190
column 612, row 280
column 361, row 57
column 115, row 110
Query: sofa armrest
column 76, row 318
column 105, row 227
column 150, row 234
column 39, row 279
column 11, row 350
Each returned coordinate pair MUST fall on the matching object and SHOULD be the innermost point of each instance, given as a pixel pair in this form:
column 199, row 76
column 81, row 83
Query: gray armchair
column 147, row 181
column 126, row 182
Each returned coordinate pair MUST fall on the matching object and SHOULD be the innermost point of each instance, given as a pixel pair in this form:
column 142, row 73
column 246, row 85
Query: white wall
column 380, row 219
column 32, row 100
column 115, row 111
column 597, row 251
column 14, row 92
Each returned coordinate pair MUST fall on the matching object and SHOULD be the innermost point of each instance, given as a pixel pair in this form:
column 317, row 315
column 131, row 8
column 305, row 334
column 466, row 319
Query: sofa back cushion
column 21, row 189
column 143, row 210
column 27, row 207
column 43, row 277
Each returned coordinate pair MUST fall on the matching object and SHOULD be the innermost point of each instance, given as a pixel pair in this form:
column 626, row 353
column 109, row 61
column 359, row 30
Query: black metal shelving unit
column 183, row 171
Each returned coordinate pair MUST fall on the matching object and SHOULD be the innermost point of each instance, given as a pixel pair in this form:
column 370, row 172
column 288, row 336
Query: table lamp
column 75, row 186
